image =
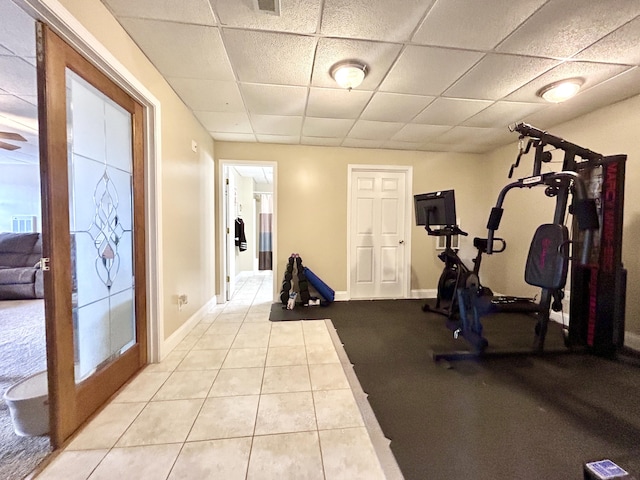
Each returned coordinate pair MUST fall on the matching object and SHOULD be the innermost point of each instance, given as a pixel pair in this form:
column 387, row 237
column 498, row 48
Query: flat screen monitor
column 440, row 207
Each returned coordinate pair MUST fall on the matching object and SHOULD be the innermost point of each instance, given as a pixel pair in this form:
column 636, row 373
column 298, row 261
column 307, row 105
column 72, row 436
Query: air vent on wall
column 268, row 6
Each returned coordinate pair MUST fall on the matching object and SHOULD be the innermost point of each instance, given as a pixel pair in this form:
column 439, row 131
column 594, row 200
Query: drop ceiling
column 444, row 75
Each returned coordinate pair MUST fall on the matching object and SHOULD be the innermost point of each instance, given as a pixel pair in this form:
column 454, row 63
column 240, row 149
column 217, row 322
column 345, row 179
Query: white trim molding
column 176, row 337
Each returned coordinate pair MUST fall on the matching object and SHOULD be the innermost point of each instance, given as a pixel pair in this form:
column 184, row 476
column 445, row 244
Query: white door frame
column 221, row 298
column 73, row 32
column 408, row 170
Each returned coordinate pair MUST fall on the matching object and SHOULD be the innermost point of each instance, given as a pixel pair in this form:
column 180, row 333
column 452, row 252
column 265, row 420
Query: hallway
column 239, row 398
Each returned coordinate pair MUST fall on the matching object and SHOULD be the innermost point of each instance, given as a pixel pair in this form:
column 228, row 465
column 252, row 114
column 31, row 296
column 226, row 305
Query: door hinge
column 227, row 181
column 228, row 279
column 228, row 232
column 44, row 264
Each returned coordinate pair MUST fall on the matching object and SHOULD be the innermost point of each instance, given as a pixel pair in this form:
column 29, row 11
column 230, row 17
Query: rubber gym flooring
column 528, row 417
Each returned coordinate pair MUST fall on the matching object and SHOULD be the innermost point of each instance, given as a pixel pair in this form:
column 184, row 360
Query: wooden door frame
column 221, row 297
column 408, row 171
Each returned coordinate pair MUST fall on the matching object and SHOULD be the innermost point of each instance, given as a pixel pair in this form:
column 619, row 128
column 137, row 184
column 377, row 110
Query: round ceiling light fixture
column 558, row 92
column 349, row 74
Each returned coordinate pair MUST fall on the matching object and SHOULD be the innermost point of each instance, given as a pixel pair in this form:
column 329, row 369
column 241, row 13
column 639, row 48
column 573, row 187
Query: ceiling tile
column 225, row 122
column 377, row 56
column 396, row 145
column 336, row 103
column 502, row 114
column 276, row 125
column 233, row 137
column 370, row 130
column 321, row 141
column 592, row 73
column 362, row 143
column 419, row 133
column 456, row 147
column 395, row 107
column 620, row 46
column 189, row 11
column 461, row 135
column 25, row 117
column 208, row 95
column 428, row 70
column 450, row 111
column 8, row 124
column 561, row 28
column 606, row 93
column 498, row 75
column 181, row 50
column 17, row 76
column 287, row 139
column 373, row 19
column 16, row 157
column 326, row 127
column 454, row 23
column 296, row 16
column 265, row 57
column 17, row 30
column 274, row 100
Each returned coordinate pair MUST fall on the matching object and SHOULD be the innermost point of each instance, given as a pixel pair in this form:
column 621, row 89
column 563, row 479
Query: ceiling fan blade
column 12, row 136
column 8, row 146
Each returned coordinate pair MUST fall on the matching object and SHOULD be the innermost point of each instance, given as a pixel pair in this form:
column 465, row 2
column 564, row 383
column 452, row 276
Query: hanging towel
column 241, row 239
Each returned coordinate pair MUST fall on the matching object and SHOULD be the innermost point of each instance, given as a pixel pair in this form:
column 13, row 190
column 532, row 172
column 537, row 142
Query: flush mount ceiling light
column 560, row 91
column 349, row 74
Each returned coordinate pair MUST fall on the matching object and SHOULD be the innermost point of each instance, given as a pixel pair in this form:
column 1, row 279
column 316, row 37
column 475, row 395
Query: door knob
column 401, row 242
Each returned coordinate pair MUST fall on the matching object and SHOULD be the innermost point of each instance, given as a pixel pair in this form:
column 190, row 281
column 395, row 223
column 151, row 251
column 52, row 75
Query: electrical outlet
column 182, row 300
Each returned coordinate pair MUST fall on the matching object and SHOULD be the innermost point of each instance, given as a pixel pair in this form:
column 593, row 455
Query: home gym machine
column 598, row 279
column 438, row 209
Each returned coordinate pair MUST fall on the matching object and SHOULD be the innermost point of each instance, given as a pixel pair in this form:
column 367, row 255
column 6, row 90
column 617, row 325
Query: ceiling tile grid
column 445, row 75
column 439, row 73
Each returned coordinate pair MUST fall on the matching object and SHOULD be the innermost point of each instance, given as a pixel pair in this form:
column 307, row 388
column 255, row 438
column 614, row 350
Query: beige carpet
column 22, row 353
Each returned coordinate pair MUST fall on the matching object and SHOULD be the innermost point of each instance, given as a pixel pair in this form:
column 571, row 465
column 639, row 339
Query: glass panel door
column 100, row 221
column 92, row 171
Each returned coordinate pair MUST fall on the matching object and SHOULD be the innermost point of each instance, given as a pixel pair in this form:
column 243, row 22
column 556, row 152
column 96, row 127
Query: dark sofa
column 20, row 273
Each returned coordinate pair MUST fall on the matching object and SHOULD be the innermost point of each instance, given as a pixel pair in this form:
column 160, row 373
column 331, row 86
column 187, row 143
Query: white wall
column 19, row 193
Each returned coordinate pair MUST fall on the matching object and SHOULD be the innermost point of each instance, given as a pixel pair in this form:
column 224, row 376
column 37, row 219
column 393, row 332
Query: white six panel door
column 378, row 206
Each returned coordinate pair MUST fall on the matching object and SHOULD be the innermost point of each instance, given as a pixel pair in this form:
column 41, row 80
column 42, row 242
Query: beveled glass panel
column 101, row 212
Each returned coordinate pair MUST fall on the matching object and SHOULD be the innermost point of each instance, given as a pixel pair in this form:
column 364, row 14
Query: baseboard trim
column 632, row 341
column 176, row 337
column 424, row 293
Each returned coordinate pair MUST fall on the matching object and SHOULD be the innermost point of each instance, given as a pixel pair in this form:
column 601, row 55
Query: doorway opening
column 247, row 209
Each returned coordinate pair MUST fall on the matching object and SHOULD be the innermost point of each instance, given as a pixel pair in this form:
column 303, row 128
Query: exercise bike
column 456, row 275
column 438, row 208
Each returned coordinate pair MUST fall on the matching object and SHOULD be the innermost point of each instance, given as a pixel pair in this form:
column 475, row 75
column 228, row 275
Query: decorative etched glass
column 101, row 224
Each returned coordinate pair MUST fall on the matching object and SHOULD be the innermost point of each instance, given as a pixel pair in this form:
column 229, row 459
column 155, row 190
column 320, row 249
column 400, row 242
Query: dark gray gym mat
column 501, row 418
column 280, row 314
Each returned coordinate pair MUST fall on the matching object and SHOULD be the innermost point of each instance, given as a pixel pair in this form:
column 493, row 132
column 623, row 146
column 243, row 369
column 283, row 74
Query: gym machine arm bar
column 585, row 211
column 561, row 143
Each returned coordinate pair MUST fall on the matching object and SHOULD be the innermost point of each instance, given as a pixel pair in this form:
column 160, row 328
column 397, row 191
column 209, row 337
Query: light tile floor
column 239, row 398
